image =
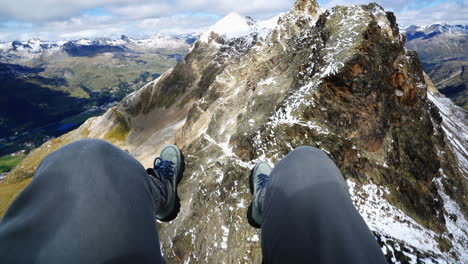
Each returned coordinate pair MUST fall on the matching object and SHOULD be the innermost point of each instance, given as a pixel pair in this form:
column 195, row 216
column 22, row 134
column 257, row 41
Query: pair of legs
column 91, row 202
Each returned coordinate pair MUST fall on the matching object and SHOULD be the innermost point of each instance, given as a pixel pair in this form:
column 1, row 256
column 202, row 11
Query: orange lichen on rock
column 356, row 70
column 402, row 82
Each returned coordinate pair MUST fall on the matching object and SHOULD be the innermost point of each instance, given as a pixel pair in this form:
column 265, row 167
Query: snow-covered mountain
column 339, row 80
column 427, row 31
column 157, row 41
column 20, row 51
column 235, row 26
column 443, row 49
column 33, row 45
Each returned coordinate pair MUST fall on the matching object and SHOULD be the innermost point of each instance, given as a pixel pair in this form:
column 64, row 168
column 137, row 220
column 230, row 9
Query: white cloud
column 177, row 24
column 142, row 10
column 87, row 33
column 65, row 19
column 45, row 10
column 449, row 12
column 390, row 5
column 107, row 26
column 246, row 7
column 62, row 19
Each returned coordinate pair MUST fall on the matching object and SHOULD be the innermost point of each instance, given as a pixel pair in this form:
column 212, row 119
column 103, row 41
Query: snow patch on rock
column 231, row 26
column 455, row 126
column 386, row 219
column 457, row 228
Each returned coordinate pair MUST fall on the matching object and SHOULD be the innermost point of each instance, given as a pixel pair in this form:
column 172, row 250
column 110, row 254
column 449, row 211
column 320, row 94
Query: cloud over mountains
column 66, row 19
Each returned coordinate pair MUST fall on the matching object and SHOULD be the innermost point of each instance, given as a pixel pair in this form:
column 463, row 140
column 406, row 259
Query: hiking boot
column 170, row 166
column 258, row 180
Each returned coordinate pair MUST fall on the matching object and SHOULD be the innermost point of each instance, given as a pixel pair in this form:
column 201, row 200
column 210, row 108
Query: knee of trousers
column 305, row 158
column 91, row 144
column 306, row 166
column 303, row 151
column 86, row 155
column 92, row 150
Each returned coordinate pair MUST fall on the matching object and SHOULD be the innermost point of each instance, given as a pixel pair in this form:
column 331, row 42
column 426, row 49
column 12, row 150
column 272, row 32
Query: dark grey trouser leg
column 89, row 202
column 308, row 215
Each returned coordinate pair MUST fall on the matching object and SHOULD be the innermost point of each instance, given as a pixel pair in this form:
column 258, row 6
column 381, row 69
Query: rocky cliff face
column 337, row 79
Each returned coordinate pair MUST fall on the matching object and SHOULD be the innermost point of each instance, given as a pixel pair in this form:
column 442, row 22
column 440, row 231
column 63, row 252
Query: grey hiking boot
column 258, row 179
column 170, row 166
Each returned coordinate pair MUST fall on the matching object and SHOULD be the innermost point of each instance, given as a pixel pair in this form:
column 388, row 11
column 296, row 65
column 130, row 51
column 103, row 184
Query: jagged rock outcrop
column 339, row 80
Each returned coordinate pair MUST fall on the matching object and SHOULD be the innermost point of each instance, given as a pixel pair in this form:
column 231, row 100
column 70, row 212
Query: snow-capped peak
column 83, row 42
column 35, row 41
column 269, row 24
column 235, row 26
column 33, row 46
column 231, row 26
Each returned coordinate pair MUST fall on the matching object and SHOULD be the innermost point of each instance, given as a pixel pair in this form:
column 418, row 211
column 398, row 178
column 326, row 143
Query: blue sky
column 65, row 19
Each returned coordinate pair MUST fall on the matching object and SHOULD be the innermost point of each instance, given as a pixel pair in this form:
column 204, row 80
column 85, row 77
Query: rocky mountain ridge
column 337, row 79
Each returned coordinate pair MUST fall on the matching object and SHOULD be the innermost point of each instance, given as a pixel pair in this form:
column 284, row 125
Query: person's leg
column 308, row 215
column 89, row 202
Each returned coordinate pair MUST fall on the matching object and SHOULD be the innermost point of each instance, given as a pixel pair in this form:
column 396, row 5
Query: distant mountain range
column 429, row 31
column 44, row 82
column 35, row 48
column 443, row 50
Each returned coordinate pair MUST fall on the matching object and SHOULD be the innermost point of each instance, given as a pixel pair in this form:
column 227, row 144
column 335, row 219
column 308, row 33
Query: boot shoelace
column 165, row 168
column 263, row 179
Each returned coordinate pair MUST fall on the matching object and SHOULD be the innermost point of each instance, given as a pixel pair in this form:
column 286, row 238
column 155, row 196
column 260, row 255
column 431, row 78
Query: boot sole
column 176, row 209
column 250, row 218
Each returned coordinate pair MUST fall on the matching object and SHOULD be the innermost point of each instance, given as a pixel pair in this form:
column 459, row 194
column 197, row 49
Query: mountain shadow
column 26, row 103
